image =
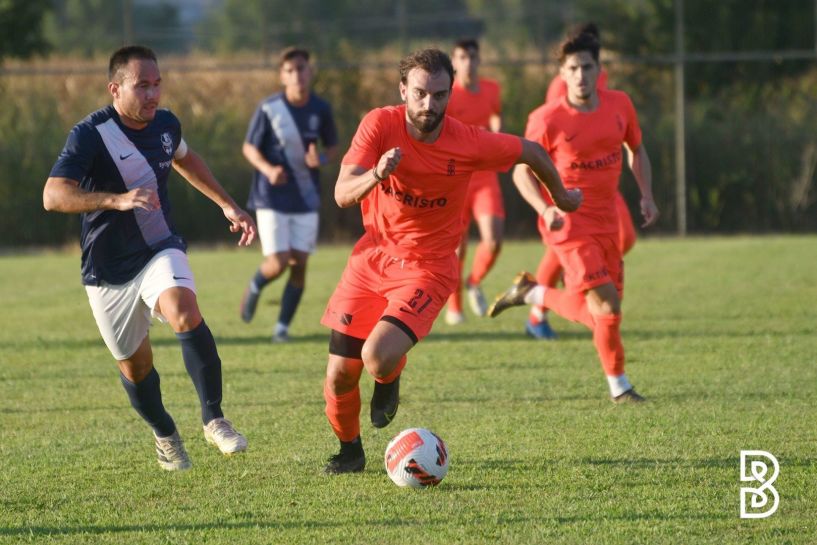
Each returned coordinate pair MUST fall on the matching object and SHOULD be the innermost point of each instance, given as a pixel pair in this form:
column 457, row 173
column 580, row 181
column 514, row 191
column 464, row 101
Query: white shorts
column 282, row 232
column 123, row 313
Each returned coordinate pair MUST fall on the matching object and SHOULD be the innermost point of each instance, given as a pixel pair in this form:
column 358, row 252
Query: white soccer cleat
column 476, row 300
column 171, row 453
column 221, row 433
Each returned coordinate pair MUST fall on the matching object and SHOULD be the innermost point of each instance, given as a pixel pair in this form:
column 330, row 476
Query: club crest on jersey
column 167, row 143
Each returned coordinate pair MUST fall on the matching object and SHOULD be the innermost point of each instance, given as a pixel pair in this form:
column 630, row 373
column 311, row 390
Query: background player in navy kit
column 113, row 170
column 281, row 144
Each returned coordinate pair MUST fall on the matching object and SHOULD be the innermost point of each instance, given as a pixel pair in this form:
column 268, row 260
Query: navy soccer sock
column 289, row 303
column 146, row 398
column 204, row 367
column 259, row 281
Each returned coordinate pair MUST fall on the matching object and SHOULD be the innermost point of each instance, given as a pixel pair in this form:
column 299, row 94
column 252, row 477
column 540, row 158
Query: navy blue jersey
column 104, row 155
column 282, row 133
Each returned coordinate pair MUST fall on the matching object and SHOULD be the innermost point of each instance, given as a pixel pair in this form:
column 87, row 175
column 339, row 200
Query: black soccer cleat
column 385, row 400
column 350, row 459
column 630, row 396
column 248, row 303
column 513, row 296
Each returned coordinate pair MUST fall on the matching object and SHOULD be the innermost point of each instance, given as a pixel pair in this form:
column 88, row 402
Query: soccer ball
column 416, row 457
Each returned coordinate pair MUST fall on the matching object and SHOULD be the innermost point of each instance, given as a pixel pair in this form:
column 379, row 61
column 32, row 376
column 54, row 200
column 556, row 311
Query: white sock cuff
column 618, row 385
column 536, row 296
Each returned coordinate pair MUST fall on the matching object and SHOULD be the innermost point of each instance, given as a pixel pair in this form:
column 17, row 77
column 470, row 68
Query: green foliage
column 538, row 454
column 21, row 28
column 97, row 27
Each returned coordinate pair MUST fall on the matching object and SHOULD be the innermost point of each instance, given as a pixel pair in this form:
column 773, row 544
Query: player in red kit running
column 408, row 167
column 584, row 133
column 476, row 101
column 549, row 271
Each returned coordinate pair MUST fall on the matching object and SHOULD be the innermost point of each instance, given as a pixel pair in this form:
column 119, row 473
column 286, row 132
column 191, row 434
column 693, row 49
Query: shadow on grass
column 323, row 524
column 464, row 335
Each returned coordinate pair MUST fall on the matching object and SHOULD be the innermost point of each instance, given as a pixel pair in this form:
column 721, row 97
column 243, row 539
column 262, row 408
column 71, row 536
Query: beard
column 425, row 121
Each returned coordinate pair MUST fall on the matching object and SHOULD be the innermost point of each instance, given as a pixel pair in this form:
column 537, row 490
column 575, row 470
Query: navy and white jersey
column 282, row 133
column 104, row 155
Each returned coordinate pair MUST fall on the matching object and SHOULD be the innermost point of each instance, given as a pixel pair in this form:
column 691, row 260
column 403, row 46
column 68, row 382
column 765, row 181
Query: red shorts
column 484, row 197
column 590, row 261
column 377, row 286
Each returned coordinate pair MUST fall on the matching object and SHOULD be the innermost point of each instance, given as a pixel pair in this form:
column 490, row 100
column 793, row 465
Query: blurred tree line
column 751, row 149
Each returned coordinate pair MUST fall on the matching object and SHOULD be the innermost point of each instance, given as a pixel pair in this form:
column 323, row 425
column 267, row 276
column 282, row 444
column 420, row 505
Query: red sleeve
column 497, row 152
column 536, row 130
column 633, row 134
column 556, row 90
column 364, row 151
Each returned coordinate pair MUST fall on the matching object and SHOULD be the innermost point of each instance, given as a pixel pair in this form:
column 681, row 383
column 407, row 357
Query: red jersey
column 558, row 87
column 586, row 149
column 416, row 213
column 475, row 108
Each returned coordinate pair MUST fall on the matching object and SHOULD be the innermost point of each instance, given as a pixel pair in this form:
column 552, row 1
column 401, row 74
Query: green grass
column 719, row 334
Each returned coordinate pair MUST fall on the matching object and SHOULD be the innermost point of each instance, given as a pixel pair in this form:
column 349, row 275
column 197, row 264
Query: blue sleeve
column 257, row 131
column 329, row 134
column 77, row 157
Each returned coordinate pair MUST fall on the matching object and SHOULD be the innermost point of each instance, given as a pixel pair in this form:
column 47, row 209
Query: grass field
column 719, row 332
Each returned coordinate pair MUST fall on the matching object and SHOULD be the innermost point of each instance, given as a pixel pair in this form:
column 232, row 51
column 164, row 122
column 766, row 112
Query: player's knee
column 379, row 364
column 185, row 319
column 340, row 380
column 609, row 307
column 493, row 245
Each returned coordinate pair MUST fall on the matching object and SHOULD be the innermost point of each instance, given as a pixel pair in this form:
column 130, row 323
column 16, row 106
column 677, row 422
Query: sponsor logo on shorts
column 598, row 274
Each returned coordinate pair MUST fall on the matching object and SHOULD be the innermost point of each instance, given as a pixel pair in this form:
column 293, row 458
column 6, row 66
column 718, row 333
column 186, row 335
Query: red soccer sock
column 549, row 270
column 607, row 339
column 484, row 259
column 455, row 299
column 343, row 412
column 391, row 377
column 572, row 306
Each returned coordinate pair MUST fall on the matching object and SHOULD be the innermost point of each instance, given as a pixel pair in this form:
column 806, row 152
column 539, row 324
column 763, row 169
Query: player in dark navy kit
column 113, row 171
column 281, row 145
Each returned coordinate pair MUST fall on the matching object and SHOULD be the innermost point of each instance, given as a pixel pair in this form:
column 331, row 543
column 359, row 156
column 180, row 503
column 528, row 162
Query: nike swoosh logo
column 123, row 157
column 569, row 138
column 180, row 277
column 404, row 309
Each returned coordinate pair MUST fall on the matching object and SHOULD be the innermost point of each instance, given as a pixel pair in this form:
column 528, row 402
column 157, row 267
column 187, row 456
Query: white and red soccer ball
column 416, row 457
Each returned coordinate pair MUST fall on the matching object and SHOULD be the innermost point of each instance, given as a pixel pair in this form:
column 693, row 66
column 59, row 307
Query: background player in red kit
column 549, row 270
column 476, row 101
column 408, row 166
column 584, row 134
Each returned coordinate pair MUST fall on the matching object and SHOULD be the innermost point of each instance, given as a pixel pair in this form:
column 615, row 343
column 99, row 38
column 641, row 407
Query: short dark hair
column 292, row 52
column 588, row 28
column 122, row 56
column 430, row 60
column 466, row 44
column 578, row 42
